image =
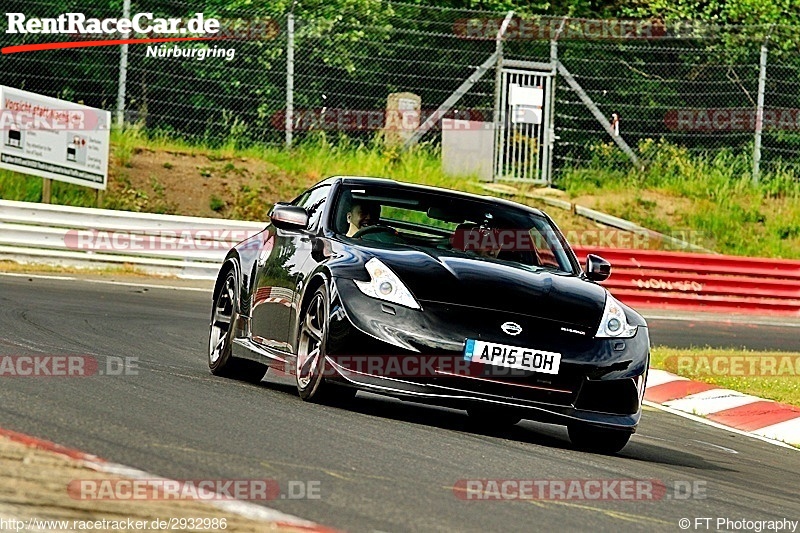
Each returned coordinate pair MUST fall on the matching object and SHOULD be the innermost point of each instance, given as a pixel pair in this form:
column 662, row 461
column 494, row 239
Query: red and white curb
column 275, row 518
column 738, row 411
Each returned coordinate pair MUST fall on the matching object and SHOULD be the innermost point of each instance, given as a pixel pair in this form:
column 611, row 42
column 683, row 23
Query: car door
column 277, row 275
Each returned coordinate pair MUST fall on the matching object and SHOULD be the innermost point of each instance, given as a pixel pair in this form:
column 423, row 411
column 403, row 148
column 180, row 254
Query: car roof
column 368, row 180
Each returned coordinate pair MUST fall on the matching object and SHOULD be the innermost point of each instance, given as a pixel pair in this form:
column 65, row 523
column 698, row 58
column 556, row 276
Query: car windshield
column 445, row 224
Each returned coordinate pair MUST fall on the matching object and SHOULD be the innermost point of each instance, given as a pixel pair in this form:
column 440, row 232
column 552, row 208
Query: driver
column 361, row 215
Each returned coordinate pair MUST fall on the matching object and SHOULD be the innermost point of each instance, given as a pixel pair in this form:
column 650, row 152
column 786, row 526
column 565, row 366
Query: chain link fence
column 694, row 87
column 698, row 94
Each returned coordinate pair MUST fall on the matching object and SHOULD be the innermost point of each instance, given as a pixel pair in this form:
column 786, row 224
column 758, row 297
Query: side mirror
column 286, row 216
column 597, row 268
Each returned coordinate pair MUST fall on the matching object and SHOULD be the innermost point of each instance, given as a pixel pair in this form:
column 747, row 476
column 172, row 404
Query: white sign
column 529, row 96
column 526, row 104
column 53, row 138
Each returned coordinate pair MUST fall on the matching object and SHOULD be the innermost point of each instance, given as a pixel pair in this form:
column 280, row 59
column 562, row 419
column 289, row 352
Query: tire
column 488, row 418
column 224, row 314
column 600, row 440
column 311, row 352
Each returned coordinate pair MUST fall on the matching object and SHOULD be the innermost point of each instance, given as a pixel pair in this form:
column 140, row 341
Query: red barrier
column 701, row 282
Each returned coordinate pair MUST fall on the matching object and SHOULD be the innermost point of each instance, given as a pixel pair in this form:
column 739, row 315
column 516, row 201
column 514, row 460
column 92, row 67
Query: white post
column 762, row 81
column 289, row 78
column 123, row 68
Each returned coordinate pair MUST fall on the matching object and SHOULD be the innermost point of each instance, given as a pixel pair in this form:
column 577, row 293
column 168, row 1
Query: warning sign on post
column 527, row 104
column 53, row 138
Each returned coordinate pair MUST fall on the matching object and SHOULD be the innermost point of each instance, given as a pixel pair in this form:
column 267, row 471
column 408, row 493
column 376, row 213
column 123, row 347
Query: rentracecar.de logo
column 141, row 23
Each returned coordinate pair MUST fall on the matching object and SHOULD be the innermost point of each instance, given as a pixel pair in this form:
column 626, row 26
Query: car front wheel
column 311, row 354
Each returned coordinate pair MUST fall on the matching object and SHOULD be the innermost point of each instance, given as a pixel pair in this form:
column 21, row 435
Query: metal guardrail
column 193, row 247
column 188, row 247
column 702, row 282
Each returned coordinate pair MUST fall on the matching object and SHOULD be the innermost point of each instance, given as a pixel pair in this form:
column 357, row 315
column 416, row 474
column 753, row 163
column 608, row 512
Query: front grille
column 550, row 390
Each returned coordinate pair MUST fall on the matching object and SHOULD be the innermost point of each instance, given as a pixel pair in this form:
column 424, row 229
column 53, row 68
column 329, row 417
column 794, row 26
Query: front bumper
column 600, row 381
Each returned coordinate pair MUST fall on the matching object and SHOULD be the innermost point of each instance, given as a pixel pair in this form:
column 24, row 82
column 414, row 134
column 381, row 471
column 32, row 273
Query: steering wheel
column 373, row 229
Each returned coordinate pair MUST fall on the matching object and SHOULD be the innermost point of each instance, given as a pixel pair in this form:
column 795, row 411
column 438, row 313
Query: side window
column 314, row 203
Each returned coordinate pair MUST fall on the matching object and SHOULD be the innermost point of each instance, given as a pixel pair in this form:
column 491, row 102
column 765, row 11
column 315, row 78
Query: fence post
column 762, row 81
column 46, row 184
column 123, row 68
column 547, row 171
column 498, row 84
column 289, row 77
column 589, row 103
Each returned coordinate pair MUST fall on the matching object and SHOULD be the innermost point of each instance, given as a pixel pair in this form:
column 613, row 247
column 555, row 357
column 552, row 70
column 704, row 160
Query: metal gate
column 523, row 145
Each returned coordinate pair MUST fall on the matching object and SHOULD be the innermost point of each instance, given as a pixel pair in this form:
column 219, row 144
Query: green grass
column 730, row 213
column 216, row 203
column 731, row 373
column 719, row 202
column 15, row 186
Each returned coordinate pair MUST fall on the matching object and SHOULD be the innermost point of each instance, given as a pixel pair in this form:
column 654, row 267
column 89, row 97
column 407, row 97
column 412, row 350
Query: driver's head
column 361, row 215
column 482, row 241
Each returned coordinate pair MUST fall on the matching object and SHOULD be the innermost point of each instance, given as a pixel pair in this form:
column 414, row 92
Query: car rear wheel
column 596, row 439
column 311, row 353
column 224, row 314
column 488, row 418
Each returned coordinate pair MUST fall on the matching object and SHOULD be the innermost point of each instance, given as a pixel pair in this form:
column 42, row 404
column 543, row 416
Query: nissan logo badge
column 512, row 328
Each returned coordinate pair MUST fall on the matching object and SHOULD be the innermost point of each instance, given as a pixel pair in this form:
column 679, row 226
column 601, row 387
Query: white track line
column 711, row 401
column 790, row 428
column 707, row 422
column 106, row 282
column 727, row 319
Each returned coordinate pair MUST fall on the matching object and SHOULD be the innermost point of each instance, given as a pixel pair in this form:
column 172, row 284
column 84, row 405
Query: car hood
column 454, row 278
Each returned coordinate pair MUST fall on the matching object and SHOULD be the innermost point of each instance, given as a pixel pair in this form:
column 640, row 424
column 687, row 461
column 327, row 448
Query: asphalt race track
column 382, row 464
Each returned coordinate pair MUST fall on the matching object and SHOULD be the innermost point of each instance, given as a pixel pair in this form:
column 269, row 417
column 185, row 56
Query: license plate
column 509, row 356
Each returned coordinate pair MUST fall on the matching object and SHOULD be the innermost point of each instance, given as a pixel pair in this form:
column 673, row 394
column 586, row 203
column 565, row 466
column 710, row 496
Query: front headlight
column 614, row 324
column 385, row 285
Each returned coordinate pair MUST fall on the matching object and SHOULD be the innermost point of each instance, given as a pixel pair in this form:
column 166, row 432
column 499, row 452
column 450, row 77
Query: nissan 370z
column 436, row 296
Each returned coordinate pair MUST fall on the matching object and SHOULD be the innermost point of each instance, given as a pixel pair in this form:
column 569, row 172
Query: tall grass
column 25, row 188
column 721, row 202
column 735, row 215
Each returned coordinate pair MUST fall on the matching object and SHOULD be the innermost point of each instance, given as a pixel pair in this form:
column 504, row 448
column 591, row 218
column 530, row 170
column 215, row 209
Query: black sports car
column 435, row 296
